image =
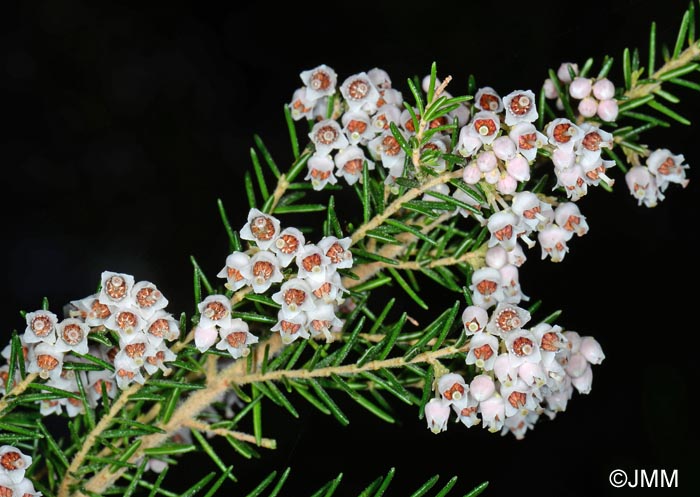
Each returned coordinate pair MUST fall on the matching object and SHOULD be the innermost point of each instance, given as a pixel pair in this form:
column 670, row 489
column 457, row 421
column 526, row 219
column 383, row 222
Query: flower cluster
column 522, row 373
column 308, row 296
column 134, row 313
column 647, row 183
column 13, row 465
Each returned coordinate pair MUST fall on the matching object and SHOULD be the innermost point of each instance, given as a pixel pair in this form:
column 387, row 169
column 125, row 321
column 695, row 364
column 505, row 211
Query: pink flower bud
column 588, row 107
column 504, row 148
column 591, row 350
column 563, row 71
column 583, row 382
column 577, row 365
column 487, row 161
column 437, row 412
column 482, row 387
column 507, row 185
column 563, row 157
column 604, row 89
column 518, row 168
column 205, row 337
column 573, row 340
column 471, row 174
column 496, row 257
column 550, row 91
column 580, row 88
column 493, row 413
column 607, row 110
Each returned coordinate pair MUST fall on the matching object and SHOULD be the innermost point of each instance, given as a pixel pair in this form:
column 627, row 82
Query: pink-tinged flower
column 461, row 114
column 603, row 89
column 486, row 99
column 236, row 339
column 126, row 372
column 503, row 226
column 72, row 336
column 320, row 171
column 116, row 288
column 534, row 213
column 136, row 349
column 519, row 168
column 148, row 299
column 483, row 350
column 437, row 413
column 532, row 374
column 486, row 287
column 205, row 336
column 507, row 319
column 594, row 172
column 504, row 148
column 386, row 148
column 329, row 290
column 591, row 350
column 642, row 186
column 557, row 401
column 301, row 105
column 291, row 328
column 518, row 424
column 563, row 158
column 294, row 296
column 13, row 464
column 327, row 136
column 41, row 327
column 520, row 107
column 474, row 319
column 583, row 382
column 517, row 256
column 313, row 263
column 482, row 387
column 322, row 319
column 549, row 339
column 384, row 116
column 580, row 88
column 564, row 71
column 91, row 310
column 568, row 216
column 232, row 270
column 471, row 174
column 608, row 110
column 452, row 387
column 486, row 126
column 466, row 409
column 510, row 280
column 469, row 142
column 503, row 371
column 157, row 357
column 125, row 322
column 360, row 93
column 379, row 78
column 319, row 81
column 527, row 139
column 492, row 176
column 563, row 133
column 162, row 326
column 337, row 250
column 519, row 398
column 576, row 365
column 45, row 360
column 588, row 107
column 553, row 242
column 573, row 181
column 25, row 488
column 100, row 383
column 593, row 140
column 357, row 127
column 261, row 228
column 262, row 271
column 287, row 246
column 493, row 413
column 496, row 257
column 550, row 91
column 487, row 161
column 573, row 341
column 215, row 310
column 350, row 163
column 667, row 168
column 522, row 347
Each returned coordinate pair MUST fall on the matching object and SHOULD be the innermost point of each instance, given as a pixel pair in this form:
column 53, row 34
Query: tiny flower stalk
column 447, row 195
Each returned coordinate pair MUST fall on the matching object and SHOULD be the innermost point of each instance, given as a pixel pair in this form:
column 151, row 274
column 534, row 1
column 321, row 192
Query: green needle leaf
column 669, row 112
column 292, row 134
column 683, row 30
column 426, row 486
column 627, row 68
column 403, row 284
column 325, row 397
column 267, row 157
column 206, row 446
column 652, row 49
column 478, row 489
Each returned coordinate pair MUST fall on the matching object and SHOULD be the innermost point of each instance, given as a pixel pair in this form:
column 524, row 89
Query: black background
column 124, row 122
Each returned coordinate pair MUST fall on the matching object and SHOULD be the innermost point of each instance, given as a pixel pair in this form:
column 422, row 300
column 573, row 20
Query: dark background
column 124, row 122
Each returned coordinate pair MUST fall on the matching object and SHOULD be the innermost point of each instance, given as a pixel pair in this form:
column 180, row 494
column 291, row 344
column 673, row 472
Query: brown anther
column 72, row 334
column 353, row 167
column 4, row 377
column 488, row 101
column 99, row 310
column 438, row 121
column 473, row 325
column 216, row 310
column 571, row 223
column 508, row 319
column 159, row 328
column 522, row 346
column 504, row 233
column 486, row 287
column 320, row 80
column 326, row 135
column 381, row 121
column 517, row 399
column 484, row 352
column 6, row 491
column 11, row 461
column 532, row 213
column 409, row 124
column 320, row 324
column 356, row 126
column 448, row 394
column 485, row 127
column 126, row 320
column 41, row 325
column 520, row 104
column 115, row 287
column 263, row 269
column 559, row 246
column 430, row 146
column 289, row 327
column 294, row 296
column 46, row 362
column 310, row 262
column 123, row 373
column 527, row 141
column 234, row 274
column 135, row 349
column 561, row 132
column 323, row 290
column 592, row 141
column 391, row 146
column 147, row 297
column 262, row 228
column 358, row 89
column 550, row 342
column 237, row 338
column 592, row 174
column 579, row 182
column 336, row 253
column 321, row 175
column 154, row 360
column 101, row 385
column 74, row 402
column 467, row 411
column 667, row 166
column 112, row 353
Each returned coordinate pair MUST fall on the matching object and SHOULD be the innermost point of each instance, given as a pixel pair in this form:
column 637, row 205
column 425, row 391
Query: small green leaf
column 299, row 208
column 652, row 49
column 478, row 490
column 206, row 446
column 298, row 166
column 262, row 185
column 373, row 257
column 292, row 134
column 605, row 69
column 682, row 32
column 417, row 96
column 335, row 410
column 362, row 401
column 423, row 489
column 190, row 492
column 403, row 284
column 267, row 157
column 627, row 68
